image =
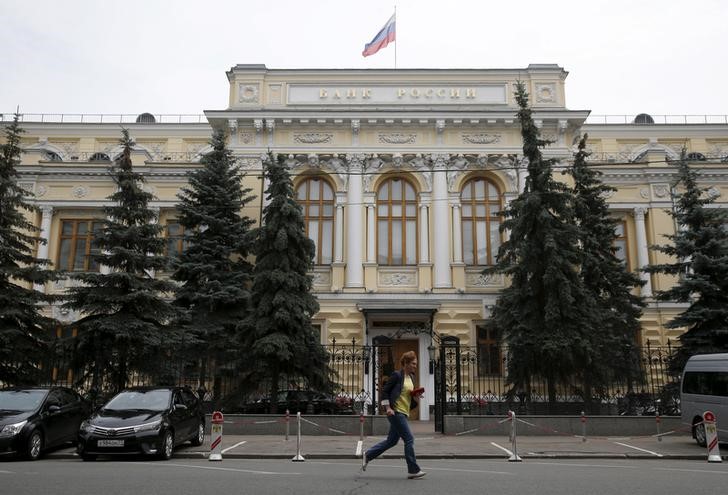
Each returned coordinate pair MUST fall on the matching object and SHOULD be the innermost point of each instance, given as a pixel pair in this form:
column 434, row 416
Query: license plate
column 110, row 443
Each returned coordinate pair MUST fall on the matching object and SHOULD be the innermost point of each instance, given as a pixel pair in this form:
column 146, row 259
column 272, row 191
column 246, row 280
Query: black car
column 37, row 418
column 149, row 420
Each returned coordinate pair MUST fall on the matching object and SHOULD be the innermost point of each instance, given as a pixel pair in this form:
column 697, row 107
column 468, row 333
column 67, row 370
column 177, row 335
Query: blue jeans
column 398, row 428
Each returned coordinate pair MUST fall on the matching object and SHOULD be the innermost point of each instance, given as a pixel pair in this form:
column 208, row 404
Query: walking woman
column 399, row 399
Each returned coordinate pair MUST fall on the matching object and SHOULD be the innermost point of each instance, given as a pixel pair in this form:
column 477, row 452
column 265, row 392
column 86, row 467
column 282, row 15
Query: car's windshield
column 148, row 400
column 21, row 400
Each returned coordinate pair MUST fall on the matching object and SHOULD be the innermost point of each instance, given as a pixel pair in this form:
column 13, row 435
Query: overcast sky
column 170, row 57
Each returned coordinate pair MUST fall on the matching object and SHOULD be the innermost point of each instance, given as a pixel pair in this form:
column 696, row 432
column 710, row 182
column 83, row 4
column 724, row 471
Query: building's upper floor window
column 316, row 197
column 396, row 223
column 99, row 157
column 76, row 245
column 176, row 239
column 620, row 242
column 480, row 204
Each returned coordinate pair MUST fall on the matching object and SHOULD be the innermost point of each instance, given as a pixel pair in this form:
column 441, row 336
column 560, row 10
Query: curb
column 204, row 455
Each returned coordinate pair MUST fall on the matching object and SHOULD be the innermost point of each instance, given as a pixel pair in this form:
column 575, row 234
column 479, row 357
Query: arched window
column 480, row 201
column 396, row 223
column 316, row 197
column 99, row 157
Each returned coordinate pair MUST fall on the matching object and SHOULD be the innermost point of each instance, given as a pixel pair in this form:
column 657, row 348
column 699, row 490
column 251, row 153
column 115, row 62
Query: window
column 489, row 351
column 396, row 223
column 76, row 246
column 176, row 238
column 706, row 383
column 620, row 242
column 480, row 202
column 99, row 157
column 316, row 197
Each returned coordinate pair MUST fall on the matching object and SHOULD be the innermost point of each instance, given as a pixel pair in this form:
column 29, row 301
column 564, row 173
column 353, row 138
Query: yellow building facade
column 400, row 174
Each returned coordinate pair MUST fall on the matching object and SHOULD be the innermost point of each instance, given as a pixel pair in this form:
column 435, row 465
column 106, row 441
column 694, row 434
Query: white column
column 371, row 247
column 457, row 234
column 339, row 238
column 424, row 235
column 354, row 274
column 45, row 233
column 440, row 223
column 642, row 253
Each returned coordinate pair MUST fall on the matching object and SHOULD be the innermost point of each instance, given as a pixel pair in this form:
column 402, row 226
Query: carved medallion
column 397, row 138
column 481, row 138
column 248, row 93
column 313, row 138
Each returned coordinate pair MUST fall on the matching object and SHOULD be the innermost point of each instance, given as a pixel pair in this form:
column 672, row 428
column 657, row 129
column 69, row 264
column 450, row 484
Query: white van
column 705, row 388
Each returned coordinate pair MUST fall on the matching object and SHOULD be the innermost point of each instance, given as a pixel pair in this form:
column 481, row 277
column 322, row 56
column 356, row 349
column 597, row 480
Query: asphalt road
column 276, row 476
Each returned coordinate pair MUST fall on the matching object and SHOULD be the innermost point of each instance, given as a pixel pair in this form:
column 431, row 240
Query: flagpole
column 395, row 41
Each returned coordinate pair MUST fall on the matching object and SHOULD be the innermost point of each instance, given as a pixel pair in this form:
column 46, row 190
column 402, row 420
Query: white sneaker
column 418, row 474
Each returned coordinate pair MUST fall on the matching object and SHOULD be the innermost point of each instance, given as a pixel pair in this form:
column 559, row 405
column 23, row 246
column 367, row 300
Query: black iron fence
column 468, row 380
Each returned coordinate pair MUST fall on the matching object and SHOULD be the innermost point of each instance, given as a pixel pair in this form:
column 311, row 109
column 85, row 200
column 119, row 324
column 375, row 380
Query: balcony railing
column 99, row 118
column 658, row 119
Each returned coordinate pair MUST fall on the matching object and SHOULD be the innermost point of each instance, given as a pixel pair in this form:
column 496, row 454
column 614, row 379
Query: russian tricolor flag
column 387, row 35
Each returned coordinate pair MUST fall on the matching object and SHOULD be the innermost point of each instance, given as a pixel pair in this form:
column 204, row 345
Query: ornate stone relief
column 644, row 193
column 41, row 191
column 397, row 279
column 80, row 191
column 321, row 278
column 713, row 192
column 156, row 149
column 545, row 93
column 248, row 93
column 481, row 138
column 313, row 138
column 246, row 137
column 249, row 163
column 661, row 190
column 70, row 148
column 26, row 186
column 274, row 94
column 607, row 194
column 397, row 138
column 476, row 278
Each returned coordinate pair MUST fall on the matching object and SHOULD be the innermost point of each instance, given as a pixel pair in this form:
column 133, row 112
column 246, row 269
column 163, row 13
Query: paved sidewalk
column 430, row 445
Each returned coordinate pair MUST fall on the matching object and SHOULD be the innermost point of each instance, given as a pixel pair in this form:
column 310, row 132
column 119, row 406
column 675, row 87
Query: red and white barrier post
column 216, row 437
column 711, row 437
column 360, row 443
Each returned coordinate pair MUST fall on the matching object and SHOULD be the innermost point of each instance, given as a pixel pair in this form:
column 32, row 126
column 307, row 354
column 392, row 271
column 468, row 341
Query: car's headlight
column 13, row 429
column 155, row 425
column 85, row 426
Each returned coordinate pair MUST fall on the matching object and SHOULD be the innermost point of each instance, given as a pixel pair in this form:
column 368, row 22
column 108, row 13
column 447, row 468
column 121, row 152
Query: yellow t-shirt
column 403, row 401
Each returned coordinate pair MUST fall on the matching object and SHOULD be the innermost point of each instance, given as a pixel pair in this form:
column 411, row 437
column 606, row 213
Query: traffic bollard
column 657, row 422
column 216, row 437
column 298, row 457
column 583, row 427
column 288, row 423
column 361, row 426
column 514, row 448
column 711, row 437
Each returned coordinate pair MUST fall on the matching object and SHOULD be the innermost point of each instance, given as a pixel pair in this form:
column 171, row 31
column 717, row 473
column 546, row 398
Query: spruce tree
column 278, row 335
column 24, row 330
column 700, row 252
column 213, row 269
column 616, row 314
column 544, row 313
column 125, row 315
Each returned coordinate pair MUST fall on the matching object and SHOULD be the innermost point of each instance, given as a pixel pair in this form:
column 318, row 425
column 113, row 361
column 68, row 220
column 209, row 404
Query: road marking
column 429, row 468
column 6, row 472
column 211, row 468
column 359, row 444
column 502, row 448
column 236, row 445
column 637, row 448
column 573, row 464
column 691, row 470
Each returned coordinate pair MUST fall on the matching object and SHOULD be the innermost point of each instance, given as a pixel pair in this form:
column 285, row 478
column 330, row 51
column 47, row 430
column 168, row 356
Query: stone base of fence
column 566, row 425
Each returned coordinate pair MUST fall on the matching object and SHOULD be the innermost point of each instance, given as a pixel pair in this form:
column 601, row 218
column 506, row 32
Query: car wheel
column 88, row 457
column 699, row 434
column 200, row 436
column 167, row 447
column 35, row 445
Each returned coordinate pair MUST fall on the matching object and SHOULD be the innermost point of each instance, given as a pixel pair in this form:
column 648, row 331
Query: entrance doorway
column 390, row 363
